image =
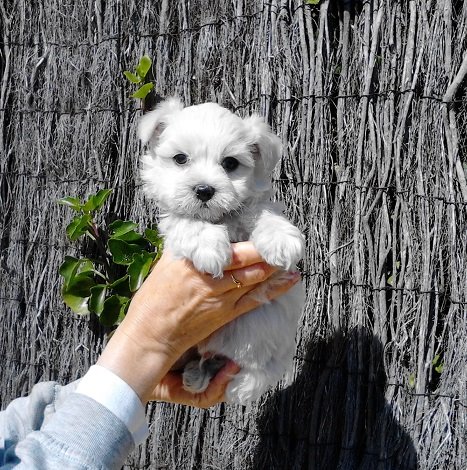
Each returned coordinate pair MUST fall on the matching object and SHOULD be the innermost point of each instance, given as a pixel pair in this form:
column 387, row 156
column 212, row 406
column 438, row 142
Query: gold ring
column 236, row 281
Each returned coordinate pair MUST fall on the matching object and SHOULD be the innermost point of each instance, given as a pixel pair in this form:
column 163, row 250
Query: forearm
column 56, row 428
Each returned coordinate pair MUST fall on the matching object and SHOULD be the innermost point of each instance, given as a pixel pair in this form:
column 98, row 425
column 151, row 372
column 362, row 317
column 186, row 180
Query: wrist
column 140, row 365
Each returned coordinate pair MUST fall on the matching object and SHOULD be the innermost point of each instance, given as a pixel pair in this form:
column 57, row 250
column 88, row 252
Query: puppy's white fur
column 262, row 342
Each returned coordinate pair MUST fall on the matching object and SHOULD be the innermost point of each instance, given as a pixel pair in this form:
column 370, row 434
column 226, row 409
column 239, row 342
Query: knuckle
column 207, row 284
column 262, row 271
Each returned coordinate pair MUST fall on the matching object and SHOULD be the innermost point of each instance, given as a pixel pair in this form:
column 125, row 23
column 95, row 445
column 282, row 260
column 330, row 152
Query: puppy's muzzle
column 204, row 192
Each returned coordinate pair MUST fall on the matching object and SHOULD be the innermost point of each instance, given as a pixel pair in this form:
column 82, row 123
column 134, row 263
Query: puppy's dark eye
column 230, row 164
column 180, row 159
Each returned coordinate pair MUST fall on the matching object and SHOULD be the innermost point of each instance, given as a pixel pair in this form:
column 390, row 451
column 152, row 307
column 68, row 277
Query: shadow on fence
column 334, row 416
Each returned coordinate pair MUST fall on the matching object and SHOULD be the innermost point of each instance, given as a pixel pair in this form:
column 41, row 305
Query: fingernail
column 296, row 280
column 231, row 368
column 293, row 275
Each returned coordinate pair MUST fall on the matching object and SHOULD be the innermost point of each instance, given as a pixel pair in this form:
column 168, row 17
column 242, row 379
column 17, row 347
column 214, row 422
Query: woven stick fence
column 369, row 98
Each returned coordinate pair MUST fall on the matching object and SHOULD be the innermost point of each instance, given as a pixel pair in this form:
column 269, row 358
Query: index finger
column 243, row 254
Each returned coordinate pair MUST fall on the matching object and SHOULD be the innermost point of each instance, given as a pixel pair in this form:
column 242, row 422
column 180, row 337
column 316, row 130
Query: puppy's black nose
column 204, row 192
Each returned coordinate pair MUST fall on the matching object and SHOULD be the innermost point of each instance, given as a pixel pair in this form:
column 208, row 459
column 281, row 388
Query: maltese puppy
column 209, row 171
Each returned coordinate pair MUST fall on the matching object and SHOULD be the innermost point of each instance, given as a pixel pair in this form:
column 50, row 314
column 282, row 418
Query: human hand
column 170, row 388
column 176, row 308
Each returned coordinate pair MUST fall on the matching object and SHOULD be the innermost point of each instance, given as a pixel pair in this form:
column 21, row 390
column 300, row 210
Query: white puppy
column 209, row 170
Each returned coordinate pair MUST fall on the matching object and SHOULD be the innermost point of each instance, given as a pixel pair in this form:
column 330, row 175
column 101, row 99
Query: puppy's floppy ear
column 267, row 149
column 153, row 123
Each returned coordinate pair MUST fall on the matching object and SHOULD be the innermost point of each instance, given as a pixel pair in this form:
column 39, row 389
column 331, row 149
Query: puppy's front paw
column 281, row 246
column 213, row 252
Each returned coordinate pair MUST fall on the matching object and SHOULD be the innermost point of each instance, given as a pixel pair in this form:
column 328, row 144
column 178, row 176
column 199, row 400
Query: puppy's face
column 203, row 161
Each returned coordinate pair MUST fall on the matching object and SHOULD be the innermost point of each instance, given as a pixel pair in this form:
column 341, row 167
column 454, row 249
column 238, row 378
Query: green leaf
column 123, row 311
column 121, row 286
column 76, row 289
column 133, row 237
column 111, row 310
column 100, row 197
column 68, row 268
column 124, row 230
column 78, row 304
column 139, row 269
column 89, row 205
column 132, row 77
column 123, row 252
column 78, row 226
column 97, row 298
column 120, row 227
column 411, row 380
column 144, row 65
column 390, row 280
column 143, row 91
column 438, row 366
column 97, row 200
column 312, row 2
column 72, row 202
column 153, row 237
column 72, row 266
column 80, row 285
column 85, row 266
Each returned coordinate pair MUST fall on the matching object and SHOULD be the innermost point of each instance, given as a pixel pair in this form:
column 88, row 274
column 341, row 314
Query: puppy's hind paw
column 195, row 380
column 197, row 374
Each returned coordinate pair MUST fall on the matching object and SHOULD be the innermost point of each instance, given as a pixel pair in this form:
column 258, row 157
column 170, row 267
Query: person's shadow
column 334, row 415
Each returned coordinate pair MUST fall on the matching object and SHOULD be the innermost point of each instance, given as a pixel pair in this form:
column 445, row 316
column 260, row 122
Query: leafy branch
column 140, row 77
column 104, row 285
column 438, row 364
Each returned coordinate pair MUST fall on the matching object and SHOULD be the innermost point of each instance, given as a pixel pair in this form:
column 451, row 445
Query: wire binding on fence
column 296, row 183
column 462, row 401
column 278, row 99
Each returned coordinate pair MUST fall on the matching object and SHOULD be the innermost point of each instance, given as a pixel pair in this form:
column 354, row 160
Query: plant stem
column 97, row 234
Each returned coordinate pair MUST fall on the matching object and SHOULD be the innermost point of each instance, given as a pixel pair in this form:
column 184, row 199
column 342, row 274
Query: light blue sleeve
column 56, row 428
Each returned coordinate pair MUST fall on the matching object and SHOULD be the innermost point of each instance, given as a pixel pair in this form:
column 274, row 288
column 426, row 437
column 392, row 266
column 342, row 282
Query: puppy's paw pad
column 195, row 379
column 282, row 248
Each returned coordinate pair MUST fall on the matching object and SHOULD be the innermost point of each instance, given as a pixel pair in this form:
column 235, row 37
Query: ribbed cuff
column 116, row 395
